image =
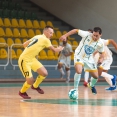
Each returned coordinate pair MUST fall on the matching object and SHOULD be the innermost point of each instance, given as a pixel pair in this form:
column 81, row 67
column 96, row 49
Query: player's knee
column 30, row 80
column 59, row 66
column 78, row 71
column 67, row 69
column 45, row 73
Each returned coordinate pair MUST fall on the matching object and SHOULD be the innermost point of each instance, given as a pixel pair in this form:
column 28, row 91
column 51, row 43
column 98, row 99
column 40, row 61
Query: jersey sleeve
column 35, row 37
column 83, row 33
column 101, row 48
column 106, row 42
column 48, row 43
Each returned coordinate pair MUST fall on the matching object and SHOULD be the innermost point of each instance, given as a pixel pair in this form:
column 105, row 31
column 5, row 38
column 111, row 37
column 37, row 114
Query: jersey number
column 32, row 42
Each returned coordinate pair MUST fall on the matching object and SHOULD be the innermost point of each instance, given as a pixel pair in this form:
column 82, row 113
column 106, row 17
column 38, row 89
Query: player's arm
column 59, row 54
column 58, row 49
column 95, row 53
column 101, row 58
column 69, row 54
column 25, row 44
column 111, row 41
column 74, row 31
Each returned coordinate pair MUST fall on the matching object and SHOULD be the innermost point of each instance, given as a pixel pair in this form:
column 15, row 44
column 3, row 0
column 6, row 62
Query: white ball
column 73, row 94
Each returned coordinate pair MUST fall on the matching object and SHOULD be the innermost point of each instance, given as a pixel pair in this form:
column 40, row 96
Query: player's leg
column 60, row 68
column 26, row 71
column 67, row 68
column 92, row 69
column 68, row 74
column 111, row 79
column 78, row 64
column 93, row 81
column 77, row 76
column 40, row 69
column 86, row 77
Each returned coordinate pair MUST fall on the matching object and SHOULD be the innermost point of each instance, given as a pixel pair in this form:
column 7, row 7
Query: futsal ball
column 73, row 94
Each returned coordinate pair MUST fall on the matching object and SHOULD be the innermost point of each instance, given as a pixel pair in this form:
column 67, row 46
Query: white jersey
column 108, row 53
column 67, row 49
column 88, row 46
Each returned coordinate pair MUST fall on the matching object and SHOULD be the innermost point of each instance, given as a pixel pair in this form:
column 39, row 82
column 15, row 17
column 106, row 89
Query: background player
column 106, row 63
column 65, row 60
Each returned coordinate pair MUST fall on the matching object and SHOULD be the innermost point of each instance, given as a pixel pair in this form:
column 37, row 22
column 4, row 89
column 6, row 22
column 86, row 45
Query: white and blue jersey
column 86, row 48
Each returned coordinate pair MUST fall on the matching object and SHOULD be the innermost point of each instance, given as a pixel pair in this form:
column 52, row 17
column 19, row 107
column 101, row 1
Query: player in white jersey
column 84, row 55
column 65, row 60
column 106, row 63
column 86, row 74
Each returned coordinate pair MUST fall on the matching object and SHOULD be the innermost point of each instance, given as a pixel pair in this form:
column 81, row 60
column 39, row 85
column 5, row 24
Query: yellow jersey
column 38, row 43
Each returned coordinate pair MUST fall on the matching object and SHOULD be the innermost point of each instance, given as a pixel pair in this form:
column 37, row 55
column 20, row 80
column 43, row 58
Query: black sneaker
column 93, row 89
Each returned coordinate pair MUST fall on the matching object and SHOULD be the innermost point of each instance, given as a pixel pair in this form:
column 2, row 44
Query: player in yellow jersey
column 27, row 61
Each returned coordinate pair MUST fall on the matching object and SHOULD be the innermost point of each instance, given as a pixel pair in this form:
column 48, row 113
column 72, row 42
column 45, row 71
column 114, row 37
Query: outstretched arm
column 63, row 37
column 111, row 41
column 58, row 49
column 69, row 54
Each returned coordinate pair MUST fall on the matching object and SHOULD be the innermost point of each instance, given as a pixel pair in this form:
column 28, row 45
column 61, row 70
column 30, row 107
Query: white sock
column 106, row 75
column 93, row 82
column 86, row 76
column 108, row 78
column 68, row 75
column 109, row 81
column 61, row 71
column 77, row 78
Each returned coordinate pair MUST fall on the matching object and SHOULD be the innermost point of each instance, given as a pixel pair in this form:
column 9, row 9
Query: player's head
column 64, row 42
column 97, row 33
column 48, row 31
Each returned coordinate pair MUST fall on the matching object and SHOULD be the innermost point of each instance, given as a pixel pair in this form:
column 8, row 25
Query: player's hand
column 62, row 38
column 60, row 48
column 100, row 60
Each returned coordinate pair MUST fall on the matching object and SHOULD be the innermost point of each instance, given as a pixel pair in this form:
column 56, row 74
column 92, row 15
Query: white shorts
column 106, row 64
column 90, row 67
column 65, row 62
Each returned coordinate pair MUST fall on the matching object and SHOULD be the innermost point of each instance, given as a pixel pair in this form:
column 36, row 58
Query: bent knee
column 30, row 80
column 44, row 74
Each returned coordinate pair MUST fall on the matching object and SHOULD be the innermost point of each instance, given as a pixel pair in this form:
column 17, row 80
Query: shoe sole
column 111, row 90
column 24, row 97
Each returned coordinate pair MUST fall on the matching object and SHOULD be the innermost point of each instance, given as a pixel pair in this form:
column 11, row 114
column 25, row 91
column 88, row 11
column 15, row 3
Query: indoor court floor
column 55, row 101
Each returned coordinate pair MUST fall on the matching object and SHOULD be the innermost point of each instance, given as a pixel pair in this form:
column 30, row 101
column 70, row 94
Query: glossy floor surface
column 55, row 101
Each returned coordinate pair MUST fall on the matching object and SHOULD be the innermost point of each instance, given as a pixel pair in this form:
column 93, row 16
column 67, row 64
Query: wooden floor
column 55, row 102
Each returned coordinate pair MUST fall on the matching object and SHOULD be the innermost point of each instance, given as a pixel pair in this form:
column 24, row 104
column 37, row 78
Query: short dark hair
column 48, row 27
column 97, row 29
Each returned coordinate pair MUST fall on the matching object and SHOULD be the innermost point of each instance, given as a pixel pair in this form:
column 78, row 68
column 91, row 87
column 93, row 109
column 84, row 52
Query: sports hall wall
column 85, row 14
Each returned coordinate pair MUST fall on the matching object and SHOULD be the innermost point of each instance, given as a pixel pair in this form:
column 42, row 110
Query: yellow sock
column 38, row 81
column 25, row 87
